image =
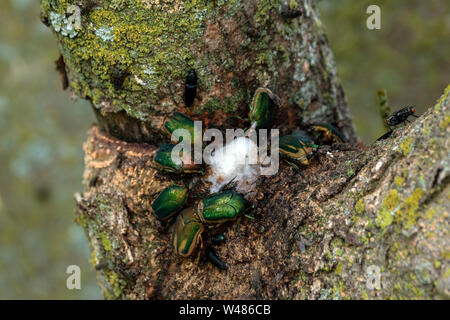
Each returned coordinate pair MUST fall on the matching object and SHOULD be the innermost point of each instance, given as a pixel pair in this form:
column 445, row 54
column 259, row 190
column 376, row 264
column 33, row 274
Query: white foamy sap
column 237, row 161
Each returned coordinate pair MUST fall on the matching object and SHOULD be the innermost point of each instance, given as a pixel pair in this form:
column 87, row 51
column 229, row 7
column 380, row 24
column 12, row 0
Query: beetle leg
column 316, row 156
column 201, row 242
column 293, row 165
column 414, row 115
column 215, row 260
column 229, row 185
column 200, row 195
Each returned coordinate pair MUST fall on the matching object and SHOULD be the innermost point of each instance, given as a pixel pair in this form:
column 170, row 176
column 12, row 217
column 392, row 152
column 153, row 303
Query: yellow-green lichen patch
column 114, row 284
column 360, row 206
column 148, row 40
column 107, row 245
column 364, row 295
column 82, row 220
column 430, row 213
column 338, row 270
column 441, row 101
column 94, row 259
column 447, row 273
column 445, row 122
column 386, row 215
column 398, row 181
column 408, row 214
column 338, row 291
column 406, row 145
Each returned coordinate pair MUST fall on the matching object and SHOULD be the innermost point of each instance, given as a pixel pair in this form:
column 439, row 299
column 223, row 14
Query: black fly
column 400, row 116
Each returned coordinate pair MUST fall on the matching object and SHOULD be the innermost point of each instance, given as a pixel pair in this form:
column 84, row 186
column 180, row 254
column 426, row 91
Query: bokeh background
column 42, row 128
column 409, row 56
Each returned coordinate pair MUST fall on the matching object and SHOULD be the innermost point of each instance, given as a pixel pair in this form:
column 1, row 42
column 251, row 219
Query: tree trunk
column 355, row 216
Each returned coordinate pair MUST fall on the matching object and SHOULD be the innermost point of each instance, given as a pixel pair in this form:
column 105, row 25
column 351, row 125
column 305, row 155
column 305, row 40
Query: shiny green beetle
column 187, row 233
column 164, row 162
column 181, row 121
column 212, row 211
column 262, row 108
column 303, row 136
column 326, row 133
column 222, row 207
column 297, row 147
column 170, row 201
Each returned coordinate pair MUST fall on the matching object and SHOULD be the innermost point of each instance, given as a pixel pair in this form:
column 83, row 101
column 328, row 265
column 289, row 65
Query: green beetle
column 181, row 121
column 327, row 134
column 164, row 162
column 187, row 233
column 304, row 137
column 222, row 207
column 262, row 108
column 297, row 148
column 170, row 201
column 211, row 212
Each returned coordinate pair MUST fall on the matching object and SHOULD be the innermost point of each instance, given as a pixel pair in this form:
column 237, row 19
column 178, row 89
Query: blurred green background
column 409, row 56
column 42, row 129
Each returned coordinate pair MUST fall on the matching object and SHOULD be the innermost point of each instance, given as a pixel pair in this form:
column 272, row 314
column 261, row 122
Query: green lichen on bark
column 145, row 39
column 104, row 246
column 411, row 225
column 235, row 47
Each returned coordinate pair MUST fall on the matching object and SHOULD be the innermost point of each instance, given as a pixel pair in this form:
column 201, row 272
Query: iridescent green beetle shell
column 326, row 133
column 187, row 233
column 170, row 201
column 262, row 109
column 304, row 137
column 181, row 121
column 164, row 162
column 294, row 147
column 222, row 207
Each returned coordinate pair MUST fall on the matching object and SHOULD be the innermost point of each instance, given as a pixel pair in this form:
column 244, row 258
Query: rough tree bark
column 382, row 208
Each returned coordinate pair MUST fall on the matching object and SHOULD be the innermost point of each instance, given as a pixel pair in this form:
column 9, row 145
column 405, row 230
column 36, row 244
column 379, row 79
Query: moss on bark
column 235, row 47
